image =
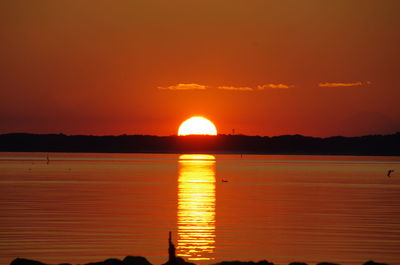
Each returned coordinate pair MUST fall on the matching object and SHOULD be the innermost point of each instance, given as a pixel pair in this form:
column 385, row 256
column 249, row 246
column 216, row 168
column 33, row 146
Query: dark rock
column 178, row 261
column 181, row 261
column 107, row 262
column 371, row 262
column 261, row 262
column 113, row 262
column 136, row 260
column 264, row 262
column 19, row 261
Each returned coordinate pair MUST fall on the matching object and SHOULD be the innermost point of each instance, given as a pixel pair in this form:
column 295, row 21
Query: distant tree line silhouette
column 240, row 144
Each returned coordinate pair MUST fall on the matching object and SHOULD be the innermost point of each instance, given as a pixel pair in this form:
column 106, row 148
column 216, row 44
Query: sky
column 260, row 67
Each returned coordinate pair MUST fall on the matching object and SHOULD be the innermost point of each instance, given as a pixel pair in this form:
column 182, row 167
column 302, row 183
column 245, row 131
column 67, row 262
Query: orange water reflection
column 196, row 207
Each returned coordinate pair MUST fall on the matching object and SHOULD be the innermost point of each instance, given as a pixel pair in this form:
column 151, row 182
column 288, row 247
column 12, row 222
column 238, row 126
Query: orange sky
column 262, row 67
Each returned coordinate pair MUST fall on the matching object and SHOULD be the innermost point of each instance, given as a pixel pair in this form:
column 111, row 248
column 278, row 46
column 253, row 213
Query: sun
column 197, row 125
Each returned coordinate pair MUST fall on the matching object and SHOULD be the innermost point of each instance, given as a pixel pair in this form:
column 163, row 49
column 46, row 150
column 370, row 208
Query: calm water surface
column 88, row 207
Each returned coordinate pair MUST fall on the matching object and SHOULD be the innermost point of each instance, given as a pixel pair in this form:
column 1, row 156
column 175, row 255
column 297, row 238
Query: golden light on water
column 196, row 207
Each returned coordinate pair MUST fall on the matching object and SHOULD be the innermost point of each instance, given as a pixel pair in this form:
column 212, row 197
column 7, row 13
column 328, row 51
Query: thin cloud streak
column 242, row 88
column 328, row 84
column 274, row 86
column 259, row 87
column 194, row 86
column 190, row 86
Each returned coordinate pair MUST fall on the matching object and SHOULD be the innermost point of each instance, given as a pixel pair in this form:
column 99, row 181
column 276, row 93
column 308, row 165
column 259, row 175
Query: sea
column 81, row 207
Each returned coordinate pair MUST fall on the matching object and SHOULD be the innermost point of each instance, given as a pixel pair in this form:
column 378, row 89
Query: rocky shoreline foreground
column 137, row 260
column 172, row 260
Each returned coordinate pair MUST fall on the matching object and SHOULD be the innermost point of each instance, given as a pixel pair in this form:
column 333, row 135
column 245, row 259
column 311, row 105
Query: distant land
column 387, row 145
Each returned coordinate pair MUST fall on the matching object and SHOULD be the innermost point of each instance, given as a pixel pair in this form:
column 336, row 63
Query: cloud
column 259, row 87
column 327, row 84
column 237, row 88
column 190, row 86
column 273, row 86
column 193, row 86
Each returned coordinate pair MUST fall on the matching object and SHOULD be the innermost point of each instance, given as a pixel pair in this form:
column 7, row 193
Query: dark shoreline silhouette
column 173, row 259
column 137, row 260
column 385, row 145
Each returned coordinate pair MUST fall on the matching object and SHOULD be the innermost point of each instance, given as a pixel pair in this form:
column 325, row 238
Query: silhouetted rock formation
column 19, row 261
column 261, row 262
column 137, row 260
column 371, row 262
column 240, row 144
column 112, row 261
column 179, row 261
column 129, row 260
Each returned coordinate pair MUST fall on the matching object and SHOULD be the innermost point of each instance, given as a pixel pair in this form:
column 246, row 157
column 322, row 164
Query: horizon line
column 200, row 135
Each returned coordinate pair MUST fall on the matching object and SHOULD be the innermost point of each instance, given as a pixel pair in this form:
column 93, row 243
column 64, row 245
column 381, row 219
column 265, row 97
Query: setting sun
column 197, row 126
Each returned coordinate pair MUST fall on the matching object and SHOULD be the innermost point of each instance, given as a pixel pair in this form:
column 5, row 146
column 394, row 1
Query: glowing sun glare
column 197, row 126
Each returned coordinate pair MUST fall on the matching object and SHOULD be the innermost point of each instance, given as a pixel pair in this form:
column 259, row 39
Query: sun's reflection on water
column 196, row 207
